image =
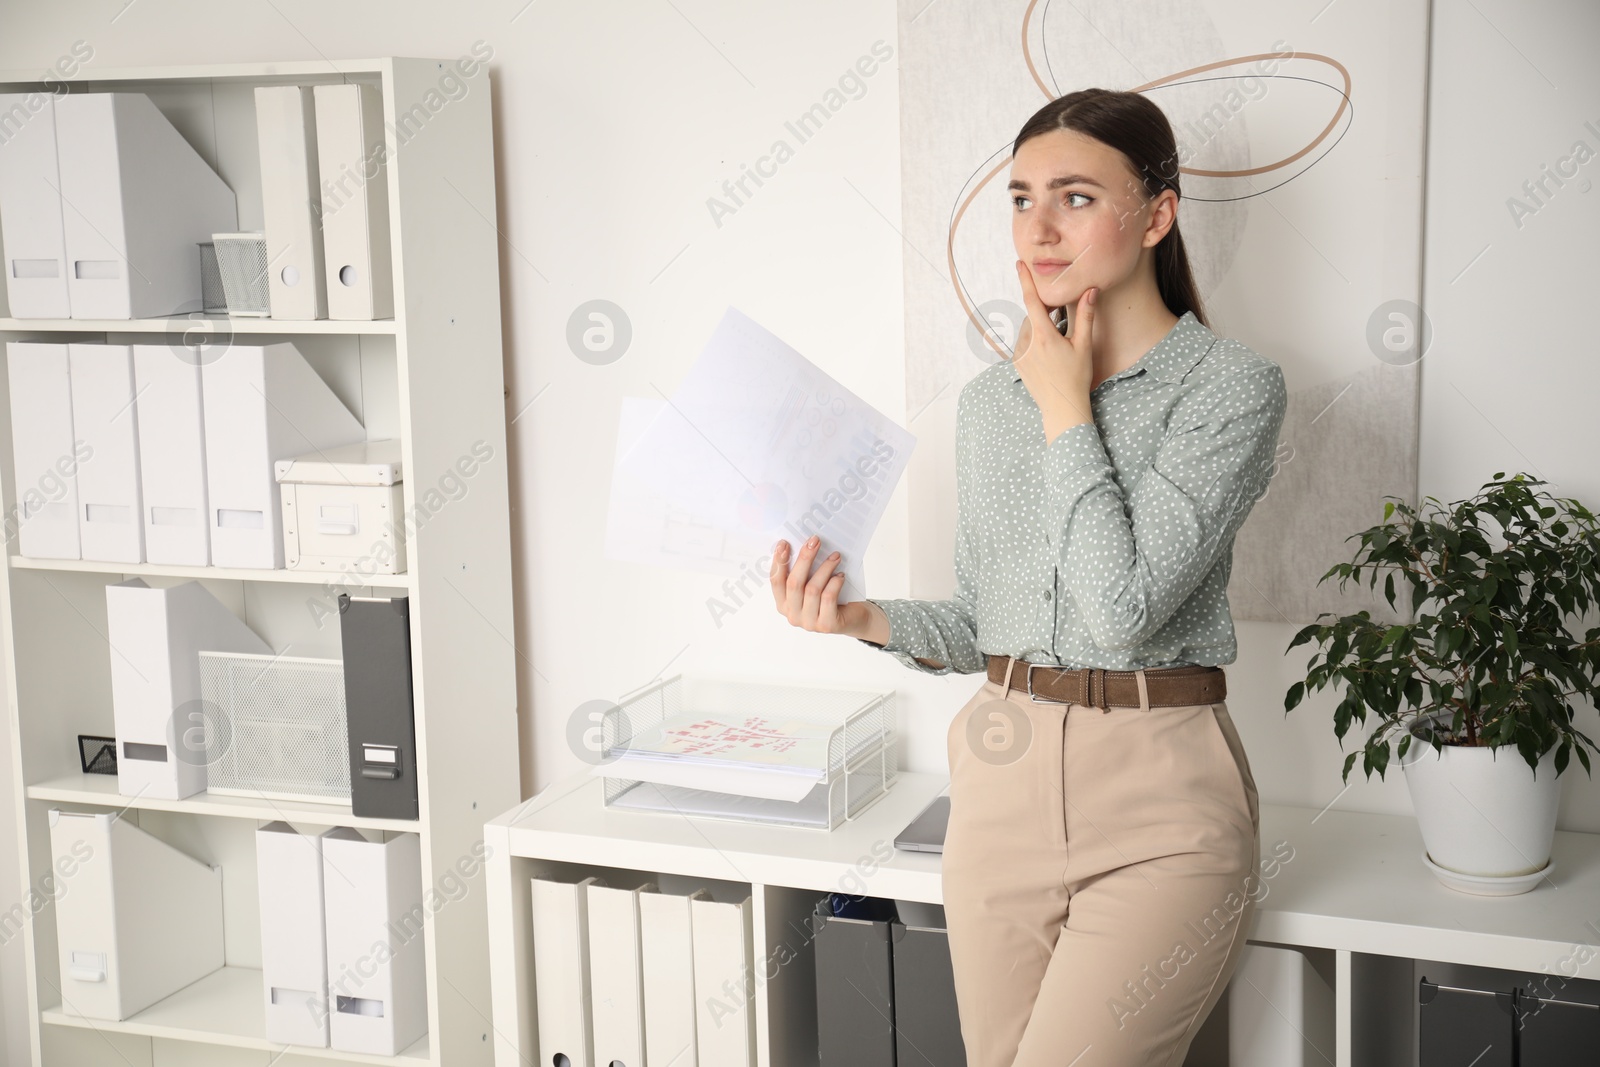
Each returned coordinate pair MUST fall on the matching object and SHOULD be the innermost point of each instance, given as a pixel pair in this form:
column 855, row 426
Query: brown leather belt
column 1168, row 687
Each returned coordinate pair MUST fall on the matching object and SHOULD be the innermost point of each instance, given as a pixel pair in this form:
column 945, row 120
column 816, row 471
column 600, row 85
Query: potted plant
column 1488, row 664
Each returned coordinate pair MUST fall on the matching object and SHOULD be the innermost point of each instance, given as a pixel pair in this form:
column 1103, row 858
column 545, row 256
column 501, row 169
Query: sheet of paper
column 734, row 781
column 760, row 444
column 644, row 525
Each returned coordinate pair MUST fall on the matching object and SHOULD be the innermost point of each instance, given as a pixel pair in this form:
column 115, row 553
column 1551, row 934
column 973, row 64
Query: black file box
column 376, row 636
column 1464, row 1026
column 1556, row 1033
column 855, row 991
column 928, row 1028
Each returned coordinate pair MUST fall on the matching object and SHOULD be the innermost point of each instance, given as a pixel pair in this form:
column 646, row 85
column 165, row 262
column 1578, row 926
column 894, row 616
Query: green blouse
column 1110, row 546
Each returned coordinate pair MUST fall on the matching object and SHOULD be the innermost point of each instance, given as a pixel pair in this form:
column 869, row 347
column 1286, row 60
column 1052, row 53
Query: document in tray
column 741, row 754
column 759, row 444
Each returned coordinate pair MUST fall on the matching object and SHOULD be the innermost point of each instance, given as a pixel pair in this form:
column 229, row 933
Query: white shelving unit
column 432, row 376
column 1350, row 891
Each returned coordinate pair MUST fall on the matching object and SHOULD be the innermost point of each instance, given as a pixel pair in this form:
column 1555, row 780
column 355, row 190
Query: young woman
column 1100, row 867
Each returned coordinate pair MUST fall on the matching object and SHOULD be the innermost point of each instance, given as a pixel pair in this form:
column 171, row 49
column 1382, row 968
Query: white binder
column 355, row 201
column 294, row 951
column 561, row 971
column 262, row 403
column 137, row 201
column 667, row 949
column 287, row 134
column 372, row 906
column 724, row 984
column 616, row 981
column 30, row 208
column 172, row 454
column 105, row 420
column 164, row 729
column 140, row 919
column 44, row 455
column 1280, row 1011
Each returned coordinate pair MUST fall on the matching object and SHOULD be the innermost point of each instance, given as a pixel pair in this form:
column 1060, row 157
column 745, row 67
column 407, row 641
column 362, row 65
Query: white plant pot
column 1483, row 812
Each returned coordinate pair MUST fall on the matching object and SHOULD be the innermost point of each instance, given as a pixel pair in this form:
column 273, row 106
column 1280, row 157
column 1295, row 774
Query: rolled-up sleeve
column 1131, row 560
column 945, row 631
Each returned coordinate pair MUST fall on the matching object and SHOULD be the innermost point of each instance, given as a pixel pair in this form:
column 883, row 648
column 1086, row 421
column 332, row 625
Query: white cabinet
column 1348, row 889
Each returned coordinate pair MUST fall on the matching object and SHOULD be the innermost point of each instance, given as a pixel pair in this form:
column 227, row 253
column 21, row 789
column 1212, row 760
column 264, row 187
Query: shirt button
column 1049, row 593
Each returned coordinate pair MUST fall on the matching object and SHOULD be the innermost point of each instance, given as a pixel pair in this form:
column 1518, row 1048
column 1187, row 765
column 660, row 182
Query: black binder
column 1462, row 1026
column 927, row 1025
column 1556, row 1033
column 855, row 991
column 376, row 635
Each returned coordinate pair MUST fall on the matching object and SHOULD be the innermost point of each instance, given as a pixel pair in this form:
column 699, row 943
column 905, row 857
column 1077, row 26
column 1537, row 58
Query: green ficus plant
column 1489, row 647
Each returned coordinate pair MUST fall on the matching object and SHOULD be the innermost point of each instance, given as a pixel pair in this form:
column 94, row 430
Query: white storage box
column 855, row 755
column 344, row 507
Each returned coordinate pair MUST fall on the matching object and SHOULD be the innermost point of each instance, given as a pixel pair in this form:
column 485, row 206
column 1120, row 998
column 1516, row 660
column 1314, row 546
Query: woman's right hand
column 812, row 603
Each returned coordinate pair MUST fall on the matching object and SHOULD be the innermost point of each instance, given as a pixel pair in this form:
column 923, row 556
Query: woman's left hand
column 1057, row 370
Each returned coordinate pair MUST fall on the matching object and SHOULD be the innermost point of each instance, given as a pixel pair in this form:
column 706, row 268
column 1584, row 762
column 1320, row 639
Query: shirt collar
column 1169, row 359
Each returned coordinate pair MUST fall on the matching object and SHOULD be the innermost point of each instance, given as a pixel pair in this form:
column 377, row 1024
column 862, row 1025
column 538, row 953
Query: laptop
column 925, row 833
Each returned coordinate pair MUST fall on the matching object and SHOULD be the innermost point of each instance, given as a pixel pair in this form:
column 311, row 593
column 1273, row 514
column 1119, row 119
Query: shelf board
column 200, row 324
column 101, row 790
column 245, row 574
column 277, row 71
column 223, row 1008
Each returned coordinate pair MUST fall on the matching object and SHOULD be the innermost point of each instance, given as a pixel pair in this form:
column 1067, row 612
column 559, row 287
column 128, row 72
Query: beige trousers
column 1100, row 874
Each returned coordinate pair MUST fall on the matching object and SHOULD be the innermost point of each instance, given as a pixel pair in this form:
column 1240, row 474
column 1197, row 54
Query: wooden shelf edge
column 229, row 992
column 203, row 325
column 244, row 574
column 101, row 790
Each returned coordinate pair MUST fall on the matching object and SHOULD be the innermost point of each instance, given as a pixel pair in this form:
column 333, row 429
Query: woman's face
column 1080, row 217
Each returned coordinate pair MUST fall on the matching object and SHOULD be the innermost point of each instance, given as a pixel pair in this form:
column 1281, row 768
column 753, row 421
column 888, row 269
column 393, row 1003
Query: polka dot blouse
column 1111, row 545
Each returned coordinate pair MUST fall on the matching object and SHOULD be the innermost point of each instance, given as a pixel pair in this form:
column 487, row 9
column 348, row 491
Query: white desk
column 1354, row 888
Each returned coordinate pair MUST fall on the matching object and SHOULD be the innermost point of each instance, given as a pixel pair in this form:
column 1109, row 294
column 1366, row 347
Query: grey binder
column 855, row 991
column 928, row 1028
column 376, row 635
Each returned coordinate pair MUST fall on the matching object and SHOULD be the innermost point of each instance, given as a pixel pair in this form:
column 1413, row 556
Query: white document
column 44, row 455
column 30, row 208
column 262, row 403
column 165, row 731
column 616, row 981
column 351, row 161
column 724, row 983
column 645, row 525
column 286, row 129
column 667, row 962
column 172, row 454
column 734, row 781
column 105, row 420
column 377, row 981
column 761, row 444
column 139, row 919
column 294, row 956
column 137, row 201
column 561, row 971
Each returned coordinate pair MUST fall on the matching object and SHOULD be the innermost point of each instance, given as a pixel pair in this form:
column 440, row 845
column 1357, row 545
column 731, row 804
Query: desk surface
column 1353, row 880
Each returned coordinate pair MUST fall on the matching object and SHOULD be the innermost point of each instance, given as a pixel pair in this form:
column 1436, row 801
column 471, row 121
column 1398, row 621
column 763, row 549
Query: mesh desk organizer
column 278, row 726
column 854, row 761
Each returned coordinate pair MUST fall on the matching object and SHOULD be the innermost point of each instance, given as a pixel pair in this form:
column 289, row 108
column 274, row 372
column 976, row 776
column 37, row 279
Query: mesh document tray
column 275, row 726
column 859, row 766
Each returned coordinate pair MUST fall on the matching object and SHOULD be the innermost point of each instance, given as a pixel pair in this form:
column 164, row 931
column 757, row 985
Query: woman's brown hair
column 1135, row 126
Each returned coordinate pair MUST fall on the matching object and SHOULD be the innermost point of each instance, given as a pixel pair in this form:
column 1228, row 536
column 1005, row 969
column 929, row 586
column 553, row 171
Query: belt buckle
column 1045, row 700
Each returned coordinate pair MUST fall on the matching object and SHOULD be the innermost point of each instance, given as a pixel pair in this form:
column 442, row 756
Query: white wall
column 616, row 122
